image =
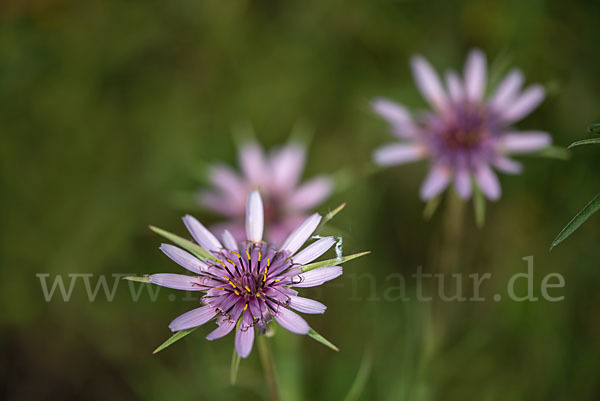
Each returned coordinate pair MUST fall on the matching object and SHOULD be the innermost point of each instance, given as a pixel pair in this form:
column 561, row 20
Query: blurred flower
column 249, row 283
column 465, row 134
column 286, row 202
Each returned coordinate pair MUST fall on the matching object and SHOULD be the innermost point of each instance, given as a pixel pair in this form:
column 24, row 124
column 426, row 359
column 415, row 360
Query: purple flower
column 466, row 134
column 286, row 202
column 249, row 283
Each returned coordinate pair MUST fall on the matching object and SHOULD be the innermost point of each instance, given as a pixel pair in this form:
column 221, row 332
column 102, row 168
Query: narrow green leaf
column 330, row 216
column 235, row 366
column 316, row 336
column 577, row 221
column 479, row 206
column 595, row 128
column 589, row 141
column 431, row 207
column 553, row 152
column 140, row 279
column 333, row 262
column 195, row 249
column 360, row 381
column 174, row 338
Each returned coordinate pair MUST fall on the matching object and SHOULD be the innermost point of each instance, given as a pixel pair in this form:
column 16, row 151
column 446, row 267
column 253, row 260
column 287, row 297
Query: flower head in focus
column 278, row 174
column 466, row 134
column 247, row 284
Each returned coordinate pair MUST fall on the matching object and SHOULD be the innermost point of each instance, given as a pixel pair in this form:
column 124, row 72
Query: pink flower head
column 247, row 284
column 286, row 201
column 465, row 134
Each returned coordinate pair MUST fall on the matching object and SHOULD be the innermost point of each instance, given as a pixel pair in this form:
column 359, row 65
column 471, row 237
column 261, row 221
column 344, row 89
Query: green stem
column 267, row 362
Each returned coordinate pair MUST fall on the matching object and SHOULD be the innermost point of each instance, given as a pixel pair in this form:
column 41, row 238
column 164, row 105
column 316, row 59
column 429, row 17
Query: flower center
column 466, row 129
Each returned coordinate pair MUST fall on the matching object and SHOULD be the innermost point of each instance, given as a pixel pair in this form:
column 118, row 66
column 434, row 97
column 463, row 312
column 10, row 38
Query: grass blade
column 195, row 249
column 589, row 141
column 317, row 337
column 235, row 366
column 333, row 262
column 174, row 338
column 581, row 217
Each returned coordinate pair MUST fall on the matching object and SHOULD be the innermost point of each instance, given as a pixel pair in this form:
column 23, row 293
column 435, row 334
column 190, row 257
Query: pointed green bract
column 316, row 336
column 330, row 216
column 140, row 279
column 333, row 262
column 189, row 246
column 589, row 141
column 174, row 338
column 577, row 221
column 235, row 366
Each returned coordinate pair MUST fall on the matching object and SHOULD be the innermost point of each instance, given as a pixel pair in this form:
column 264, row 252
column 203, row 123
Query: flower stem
column 267, row 362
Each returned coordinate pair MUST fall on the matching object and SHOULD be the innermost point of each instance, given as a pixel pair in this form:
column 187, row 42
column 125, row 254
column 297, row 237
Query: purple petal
column 390, row 155
column 316, row 277
column 183, row 258
column 287, row 165
column 455, row 87
column 313, row 251
column 311, row 193
column 306, row 305
column 254, row 217
column 475, row 75
column 428, row 83
column 177, row 281
column 488, row 182
column 299, row 236
column 507, row 90
column 462, row 184
column 507, row 165
column 253, row 163
column 218, row 203
column 224, row 328
column 229, row 241
column 229, row 183
column 194, row 318
column 437, row 180
column 524, row 104
column 397, row 116
column 201, row 234
column 244, row 337
column 291, row 321
column 525, row 141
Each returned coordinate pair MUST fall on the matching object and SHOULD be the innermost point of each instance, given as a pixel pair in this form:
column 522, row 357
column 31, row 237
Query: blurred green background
column 110, row 110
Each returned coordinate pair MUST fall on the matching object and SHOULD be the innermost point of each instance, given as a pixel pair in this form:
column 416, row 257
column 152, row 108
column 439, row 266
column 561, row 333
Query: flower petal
column 462, row 184
column 224, row 328
column 253, row 163
column 306, row 305
column 244, row 337
column 201, row 234
column 488, row 182
column 475, row 75
column 428, row 83
column 177, row 281
column 299, row 236
column 390, row 155
column 287, row 165
column 194, row 318
column 311, row 193
column 525, row 141
column 455, row 87
column 507, row 165
column 316, row 277
column 313, row 251
column 437, row 180
column 291, row 321
column 524, row 104
column 397, row 116
column 229, row 241
column 183, row 258
column 254, row 217
column 507, row 90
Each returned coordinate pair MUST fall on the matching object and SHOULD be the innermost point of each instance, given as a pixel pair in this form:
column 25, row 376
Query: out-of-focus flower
column 465, row 134
column 249, row 283
column 286, row 201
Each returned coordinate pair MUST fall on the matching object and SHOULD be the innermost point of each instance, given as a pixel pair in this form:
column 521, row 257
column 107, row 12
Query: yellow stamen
column 268, row 262
column 265, row 276
column 248, row 253
column 247, row 289
column 231, row 261
column 278, row 280
column 220, row 288
column 245, row 306
column 257, row 295
column 236, row 254
column 236, row 293
column 229, row 281
column 259, row 256
column 221, row 262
